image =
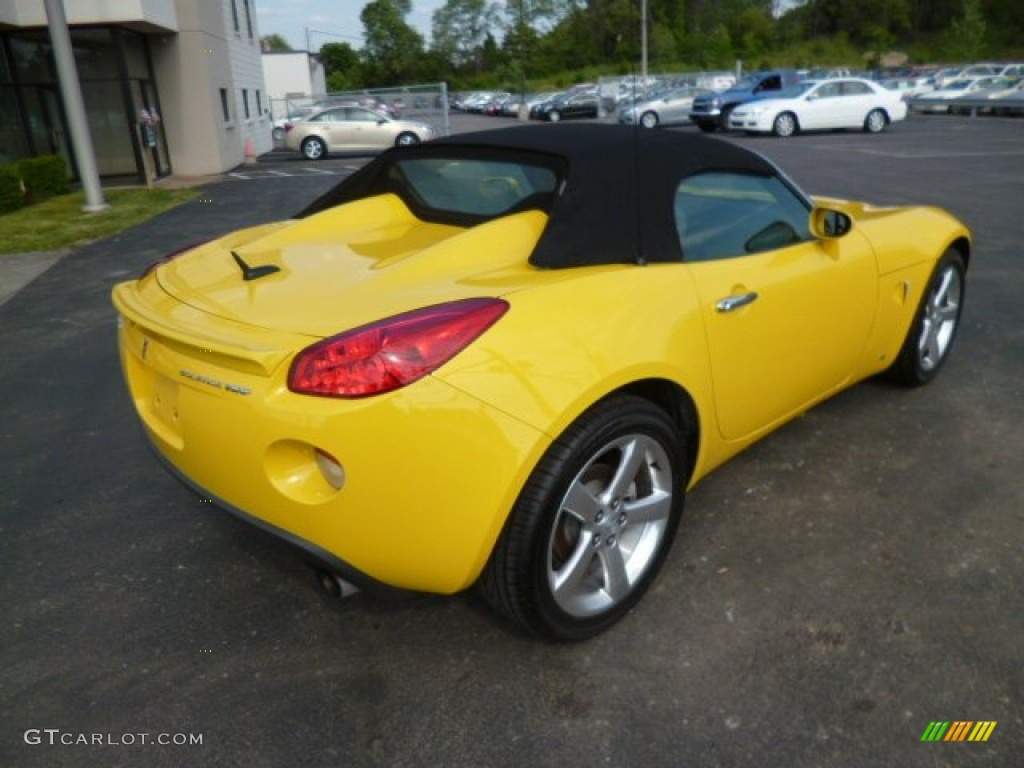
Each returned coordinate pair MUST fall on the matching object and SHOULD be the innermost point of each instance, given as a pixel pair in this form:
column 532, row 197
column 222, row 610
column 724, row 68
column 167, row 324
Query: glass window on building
column 245, row 102
column 110, row 129
column 116, row 82
column 134, row 47
column 32, row 58
column 13, row 143
column 94, row 54
column 248, row 17
column 224, row 105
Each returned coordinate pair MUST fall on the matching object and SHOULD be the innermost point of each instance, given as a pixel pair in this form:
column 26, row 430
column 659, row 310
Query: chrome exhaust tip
column 334, row 585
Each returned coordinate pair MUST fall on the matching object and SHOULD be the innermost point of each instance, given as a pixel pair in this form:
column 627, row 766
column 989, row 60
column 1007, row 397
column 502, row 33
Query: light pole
column 74, row 106
column 643, row 43
column 524, row 113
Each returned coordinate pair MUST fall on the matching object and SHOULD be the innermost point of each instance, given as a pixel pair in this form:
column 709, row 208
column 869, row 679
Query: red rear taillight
column 391, row 353
column 165, row 259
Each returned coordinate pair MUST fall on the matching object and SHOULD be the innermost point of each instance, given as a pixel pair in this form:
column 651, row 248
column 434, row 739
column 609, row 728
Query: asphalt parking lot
column 831, row 592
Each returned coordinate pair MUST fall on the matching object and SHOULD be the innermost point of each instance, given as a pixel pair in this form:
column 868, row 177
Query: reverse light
column 330, row 468
column 394, row 352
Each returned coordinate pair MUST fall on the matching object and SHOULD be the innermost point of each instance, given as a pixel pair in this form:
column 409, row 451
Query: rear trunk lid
column 351, row 265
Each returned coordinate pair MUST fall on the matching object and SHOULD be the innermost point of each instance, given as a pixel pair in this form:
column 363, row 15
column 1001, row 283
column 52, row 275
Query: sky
column 334, row 21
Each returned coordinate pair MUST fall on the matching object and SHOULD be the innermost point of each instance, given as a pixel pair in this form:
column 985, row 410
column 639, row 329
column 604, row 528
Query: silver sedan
column 351, row 128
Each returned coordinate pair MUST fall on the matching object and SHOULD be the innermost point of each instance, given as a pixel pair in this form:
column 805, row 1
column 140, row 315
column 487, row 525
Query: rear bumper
column 316, row 556
column 430, row 473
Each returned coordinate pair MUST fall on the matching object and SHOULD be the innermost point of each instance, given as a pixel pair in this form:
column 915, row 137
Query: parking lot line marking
column 911, row 154
column 319, row 170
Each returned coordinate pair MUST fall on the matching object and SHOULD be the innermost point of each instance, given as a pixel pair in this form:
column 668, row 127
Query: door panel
column 802, row 317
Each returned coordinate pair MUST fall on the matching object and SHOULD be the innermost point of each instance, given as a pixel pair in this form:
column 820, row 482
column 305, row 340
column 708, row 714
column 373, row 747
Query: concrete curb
column 19, row 269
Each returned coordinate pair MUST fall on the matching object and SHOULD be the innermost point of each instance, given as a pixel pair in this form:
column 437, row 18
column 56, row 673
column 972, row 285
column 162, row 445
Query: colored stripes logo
column 959, row 730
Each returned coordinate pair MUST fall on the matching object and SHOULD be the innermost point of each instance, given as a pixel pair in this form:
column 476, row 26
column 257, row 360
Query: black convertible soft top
column 620, row 185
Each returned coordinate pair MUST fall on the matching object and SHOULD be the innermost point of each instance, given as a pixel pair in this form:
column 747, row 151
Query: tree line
column 507, row 43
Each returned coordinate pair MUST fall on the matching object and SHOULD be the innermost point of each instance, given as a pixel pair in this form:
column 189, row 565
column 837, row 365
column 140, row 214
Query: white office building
column 193, row 64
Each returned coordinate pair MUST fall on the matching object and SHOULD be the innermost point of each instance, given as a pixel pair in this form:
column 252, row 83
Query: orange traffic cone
column 250, row 153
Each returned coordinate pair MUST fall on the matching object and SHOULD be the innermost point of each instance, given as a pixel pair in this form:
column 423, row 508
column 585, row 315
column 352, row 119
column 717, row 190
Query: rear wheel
column 649, row 119
column 592, row 525
column 935, row 324
column 875, row 121
column 784, row 125
column 314, row 148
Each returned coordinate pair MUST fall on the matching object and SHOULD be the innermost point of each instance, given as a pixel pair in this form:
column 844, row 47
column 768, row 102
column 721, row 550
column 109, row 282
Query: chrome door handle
column 729, row 303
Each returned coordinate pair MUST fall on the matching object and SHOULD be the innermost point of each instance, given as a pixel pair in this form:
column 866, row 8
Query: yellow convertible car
column 500, row 359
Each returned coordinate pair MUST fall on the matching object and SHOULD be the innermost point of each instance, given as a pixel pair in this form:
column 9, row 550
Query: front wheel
column 407, row 138
column 935, row 324
column 875, row 121
column 723, row 119
column 593, row 524
column 314, row 148
column 649, row 119
column 554, row 116
column 784, row 125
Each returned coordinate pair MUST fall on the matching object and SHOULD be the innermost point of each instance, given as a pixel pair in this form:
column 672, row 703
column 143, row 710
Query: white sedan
column 846, row 102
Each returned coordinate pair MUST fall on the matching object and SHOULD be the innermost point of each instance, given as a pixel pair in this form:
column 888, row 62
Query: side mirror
column 827, row 224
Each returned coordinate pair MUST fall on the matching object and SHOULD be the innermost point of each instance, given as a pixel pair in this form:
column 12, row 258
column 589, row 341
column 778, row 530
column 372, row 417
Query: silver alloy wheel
column 784, row 125
column 649, row 119
column 554, row 116
column 941, row 315
column 610, row 525
column 313, row 148
column 407, row 138
column 875, row 121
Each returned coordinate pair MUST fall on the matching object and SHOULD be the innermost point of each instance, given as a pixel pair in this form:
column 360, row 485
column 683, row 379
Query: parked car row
column 1006, row 95
column 779, row 102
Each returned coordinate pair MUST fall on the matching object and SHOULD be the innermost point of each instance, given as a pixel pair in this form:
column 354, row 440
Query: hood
column 350, row 265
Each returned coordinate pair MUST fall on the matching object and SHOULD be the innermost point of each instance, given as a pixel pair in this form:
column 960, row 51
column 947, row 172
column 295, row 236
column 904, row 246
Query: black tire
column 875, row 121
column 554, row 116
column 935, row 325
column 649, row 119
column 314, row 148
column 785, row 125
column 571, row 523
column 723, row 119
column 406, row 139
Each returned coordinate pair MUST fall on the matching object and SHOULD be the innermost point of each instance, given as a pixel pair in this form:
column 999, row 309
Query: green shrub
column 11, row 195
column 45, row 176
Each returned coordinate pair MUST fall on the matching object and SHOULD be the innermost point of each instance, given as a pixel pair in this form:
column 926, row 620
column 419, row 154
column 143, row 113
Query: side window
column 853, row 88
column 724, row 215
column 331, row 116
column 360, row 115
column 828, row 91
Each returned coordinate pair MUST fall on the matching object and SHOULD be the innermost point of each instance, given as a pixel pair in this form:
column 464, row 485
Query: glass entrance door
column 46, row 124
